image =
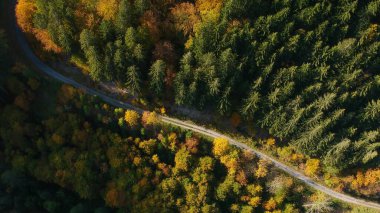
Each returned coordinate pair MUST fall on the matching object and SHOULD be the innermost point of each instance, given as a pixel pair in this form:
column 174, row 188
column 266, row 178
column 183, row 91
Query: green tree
column 372, row 110
column 133, row 80
column 251, row 104
column 95, row 63
column 157, row 76
column 124, row 18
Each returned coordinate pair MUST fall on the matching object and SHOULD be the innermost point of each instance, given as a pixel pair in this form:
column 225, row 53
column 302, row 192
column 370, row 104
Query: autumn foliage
column 365, row 182
column 270, row 204
column 25, row 10
column 24, row 13
column 185, row 17
column 135, row 171
column 304, row 71
column 132, row 118
column 262, row 169
column 107, row 8
column 115, row 197
column 221, row 146
column 312, row 167
column 150, row 20
column 150, row 118
column 46, row 41
column 209, row 9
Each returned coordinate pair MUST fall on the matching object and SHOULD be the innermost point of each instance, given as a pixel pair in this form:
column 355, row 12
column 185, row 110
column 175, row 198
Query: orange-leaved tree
column 48, row 44
column 150, row 118
column 115, row 197
column 270, row 204
column 184, row 16
column 25, row 10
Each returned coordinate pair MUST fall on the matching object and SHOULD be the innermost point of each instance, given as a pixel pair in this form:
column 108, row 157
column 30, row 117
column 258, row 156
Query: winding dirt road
column 32, row 58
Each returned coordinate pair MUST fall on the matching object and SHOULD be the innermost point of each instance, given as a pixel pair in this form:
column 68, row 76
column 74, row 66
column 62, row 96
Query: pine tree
column 95, row 63
column 87, row 39
column 372, row 110
column 130, row 39
column 251, row 104
column 224, row 105
column 124, row 18
column 157, row 77
column 133, row 80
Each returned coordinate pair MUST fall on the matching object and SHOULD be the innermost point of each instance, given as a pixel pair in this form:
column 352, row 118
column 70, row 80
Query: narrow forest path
column 36, row 62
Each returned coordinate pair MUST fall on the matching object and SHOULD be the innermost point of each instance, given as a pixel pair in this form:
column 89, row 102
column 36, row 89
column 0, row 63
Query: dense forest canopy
column 306, row 70
column 64, row 151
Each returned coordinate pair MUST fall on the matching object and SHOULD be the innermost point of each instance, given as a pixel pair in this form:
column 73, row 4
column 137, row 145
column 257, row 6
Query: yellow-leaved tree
column 255, row 201
column 270, row 204
column 132, row 118
column 150, row 118
column 181, row 159
column 221, row 147
column 107, row 9
column 312, row 167
column 209, row 9
column 271, row 142
column 262, row 169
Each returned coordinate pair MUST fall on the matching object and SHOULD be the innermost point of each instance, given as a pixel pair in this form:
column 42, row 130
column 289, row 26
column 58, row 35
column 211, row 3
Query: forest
column 65, row 151
column 305, row 70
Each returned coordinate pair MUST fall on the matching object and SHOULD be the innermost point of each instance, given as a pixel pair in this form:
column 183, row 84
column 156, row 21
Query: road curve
column 31, row 57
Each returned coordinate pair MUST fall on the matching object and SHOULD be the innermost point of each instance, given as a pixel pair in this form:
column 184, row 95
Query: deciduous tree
column 185, row 17
column 221, row 147
column 132, row 118
column 312, row 167
column 150, row 118
column 25, row 10
column 108, row 9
